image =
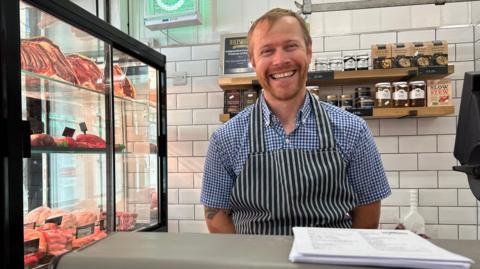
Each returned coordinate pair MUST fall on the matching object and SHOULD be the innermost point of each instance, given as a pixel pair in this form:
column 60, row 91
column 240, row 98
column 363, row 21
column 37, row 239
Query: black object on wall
column 467, row 140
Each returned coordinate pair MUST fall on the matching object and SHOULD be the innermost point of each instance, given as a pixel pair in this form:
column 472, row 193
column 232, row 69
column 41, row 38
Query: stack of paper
column 387, row 248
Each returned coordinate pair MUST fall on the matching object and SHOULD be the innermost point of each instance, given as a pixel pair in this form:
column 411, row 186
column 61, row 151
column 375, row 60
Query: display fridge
column 83, row 132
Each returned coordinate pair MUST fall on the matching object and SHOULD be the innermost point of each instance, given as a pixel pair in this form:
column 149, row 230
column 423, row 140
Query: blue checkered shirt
column 229, row 148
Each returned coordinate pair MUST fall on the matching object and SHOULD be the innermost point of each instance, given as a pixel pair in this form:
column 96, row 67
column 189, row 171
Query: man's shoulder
column 234, row 129
column 342, row 119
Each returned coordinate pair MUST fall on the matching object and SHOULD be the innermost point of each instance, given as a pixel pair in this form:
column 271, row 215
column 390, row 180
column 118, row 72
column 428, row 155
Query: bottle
column 413, row 221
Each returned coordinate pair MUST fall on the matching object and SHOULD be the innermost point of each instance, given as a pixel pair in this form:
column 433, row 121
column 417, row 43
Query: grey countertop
column 166, row 250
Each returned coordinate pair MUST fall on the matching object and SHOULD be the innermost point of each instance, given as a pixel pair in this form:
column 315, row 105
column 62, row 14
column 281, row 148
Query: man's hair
column 273, row 16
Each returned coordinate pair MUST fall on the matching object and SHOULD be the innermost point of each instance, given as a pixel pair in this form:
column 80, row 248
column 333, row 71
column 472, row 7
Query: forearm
column 219, row 220
column 366, row 216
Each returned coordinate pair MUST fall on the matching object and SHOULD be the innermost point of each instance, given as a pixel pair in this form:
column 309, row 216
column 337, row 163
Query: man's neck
column 286, row 111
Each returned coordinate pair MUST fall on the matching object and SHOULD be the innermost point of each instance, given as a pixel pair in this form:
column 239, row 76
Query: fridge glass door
column 136, row 171
column 64, row 99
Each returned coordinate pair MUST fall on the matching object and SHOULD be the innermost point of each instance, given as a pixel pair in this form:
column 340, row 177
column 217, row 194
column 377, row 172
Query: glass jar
column 400, row 94
column 321, row 64
column 336, row 64
column 346, row 101
column 362, row 61
column 349, row 63
column 333, row 100
column 383, row 94
column 365, row 102
column 362, row 92
column 417, row 93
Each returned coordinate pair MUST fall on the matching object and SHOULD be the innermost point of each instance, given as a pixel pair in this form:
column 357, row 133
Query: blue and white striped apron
column 281, row 189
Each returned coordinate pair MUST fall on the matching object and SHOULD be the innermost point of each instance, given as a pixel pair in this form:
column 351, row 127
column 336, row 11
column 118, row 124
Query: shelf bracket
column 411, row 113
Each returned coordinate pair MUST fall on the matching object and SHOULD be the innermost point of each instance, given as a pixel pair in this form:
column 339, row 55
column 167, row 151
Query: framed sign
column 234, row 55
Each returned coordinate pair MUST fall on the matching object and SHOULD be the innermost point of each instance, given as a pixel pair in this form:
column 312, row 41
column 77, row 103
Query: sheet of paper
column 371, row 247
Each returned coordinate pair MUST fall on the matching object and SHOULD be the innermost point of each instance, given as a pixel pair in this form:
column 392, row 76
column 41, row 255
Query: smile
column 283, row 75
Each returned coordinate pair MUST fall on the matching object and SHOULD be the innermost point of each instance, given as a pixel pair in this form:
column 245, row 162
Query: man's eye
column 292, row 46
column 265, row 52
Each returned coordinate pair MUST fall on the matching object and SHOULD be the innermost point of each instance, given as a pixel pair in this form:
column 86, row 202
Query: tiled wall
column 417, row 153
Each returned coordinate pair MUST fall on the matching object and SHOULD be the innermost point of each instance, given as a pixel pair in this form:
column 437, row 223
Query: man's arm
column 219, row 220
column 366, row 216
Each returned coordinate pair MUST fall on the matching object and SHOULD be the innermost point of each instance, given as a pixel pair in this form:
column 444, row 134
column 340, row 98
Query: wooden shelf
column 349, row 77
column 395, row 112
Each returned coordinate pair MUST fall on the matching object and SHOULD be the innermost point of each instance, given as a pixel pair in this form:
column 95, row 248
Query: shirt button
column 287, row 141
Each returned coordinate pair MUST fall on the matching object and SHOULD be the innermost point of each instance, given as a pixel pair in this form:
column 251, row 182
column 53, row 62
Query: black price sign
column 30, row 225
column 68, row 132
column 235, row 55
column 86, row 230
column 361, row 112
column 31, row 246
column 83, row 127
column 320, row 75
column 433, row 70
column 56, row 220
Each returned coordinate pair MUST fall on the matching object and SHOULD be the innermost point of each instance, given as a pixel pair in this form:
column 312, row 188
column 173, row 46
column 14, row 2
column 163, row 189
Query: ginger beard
column 281, row 59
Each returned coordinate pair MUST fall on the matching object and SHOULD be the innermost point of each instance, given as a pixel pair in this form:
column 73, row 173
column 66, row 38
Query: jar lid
column 419, row 82
column 362, row 89
column 383, row 84
column 399, row 83
column 348, row 56
column 362, row 55
column 331, row 97
column 346, row 96
column 320, row 60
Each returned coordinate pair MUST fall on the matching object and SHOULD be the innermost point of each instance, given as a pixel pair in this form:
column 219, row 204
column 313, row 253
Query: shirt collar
column 302, row 114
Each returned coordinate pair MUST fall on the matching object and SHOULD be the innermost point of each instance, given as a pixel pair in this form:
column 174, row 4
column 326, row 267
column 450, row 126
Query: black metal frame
column 13, row 144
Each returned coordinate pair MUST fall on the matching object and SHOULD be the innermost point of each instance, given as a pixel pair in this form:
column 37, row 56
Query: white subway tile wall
column 417, row 153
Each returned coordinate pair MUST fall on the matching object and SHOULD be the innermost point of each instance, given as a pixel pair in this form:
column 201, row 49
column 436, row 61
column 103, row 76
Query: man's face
column 280, row 58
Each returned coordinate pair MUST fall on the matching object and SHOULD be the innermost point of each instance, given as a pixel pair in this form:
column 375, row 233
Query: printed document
column 387, row 248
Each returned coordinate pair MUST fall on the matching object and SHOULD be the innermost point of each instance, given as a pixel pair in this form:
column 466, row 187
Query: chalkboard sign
column 234, row 54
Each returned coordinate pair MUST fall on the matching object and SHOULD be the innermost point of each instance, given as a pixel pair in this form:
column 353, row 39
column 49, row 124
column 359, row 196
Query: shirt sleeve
column 217, row 178
column 365, row 170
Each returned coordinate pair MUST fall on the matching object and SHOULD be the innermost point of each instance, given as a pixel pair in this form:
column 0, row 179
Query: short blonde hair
column 273, row 16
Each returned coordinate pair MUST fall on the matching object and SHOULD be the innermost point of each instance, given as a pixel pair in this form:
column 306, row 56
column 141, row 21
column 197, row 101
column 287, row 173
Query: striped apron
column 281, row 189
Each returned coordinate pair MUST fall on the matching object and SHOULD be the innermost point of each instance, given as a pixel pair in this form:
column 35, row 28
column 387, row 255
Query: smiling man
column 289, row 160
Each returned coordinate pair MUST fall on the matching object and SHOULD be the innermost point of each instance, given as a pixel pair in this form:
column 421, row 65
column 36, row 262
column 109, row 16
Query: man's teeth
column 283, row 75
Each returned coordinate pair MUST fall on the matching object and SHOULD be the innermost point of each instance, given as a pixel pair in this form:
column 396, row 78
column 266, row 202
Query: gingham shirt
column 229, row 148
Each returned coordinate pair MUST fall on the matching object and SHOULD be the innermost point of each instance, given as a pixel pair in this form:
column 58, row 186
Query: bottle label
column 417, row 93
column 383, row 94
column 400, row 95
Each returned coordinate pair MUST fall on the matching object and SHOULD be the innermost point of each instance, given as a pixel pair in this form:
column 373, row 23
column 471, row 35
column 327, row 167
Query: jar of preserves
column 321, row 64
column 333, row 100
column 400, row 94
column 349, row 63
column 336, row 64
column 383, row 94
column 346, row 101
column 417, row 93
column 362, row 93
column 362, row 61
column 365, row 102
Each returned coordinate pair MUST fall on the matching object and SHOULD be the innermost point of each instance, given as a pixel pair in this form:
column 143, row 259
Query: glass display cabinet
column 91, row 105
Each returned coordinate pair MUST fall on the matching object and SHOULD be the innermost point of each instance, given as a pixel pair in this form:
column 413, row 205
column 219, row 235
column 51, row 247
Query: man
column 289, row 160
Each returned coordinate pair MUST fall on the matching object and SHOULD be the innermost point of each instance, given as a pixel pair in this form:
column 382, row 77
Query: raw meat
column 38, row 215
column 29, row 234
column 123, row 87
column 58, row 241
column 65, row 141
column 68, row 219
column 42, row 140
column 41, row 56
column 126, row 221
column 87, row 72
column 92, row 141
column 84, row 217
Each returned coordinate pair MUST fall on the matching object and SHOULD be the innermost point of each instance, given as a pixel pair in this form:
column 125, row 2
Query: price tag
column 56, row 220
column 31, row 246
column 86, row 230
column 30, row 225
column 102, row 225
column 68, row 132
column 320, row 75
column 433, row 70
column 361, row 112
column 83, row 127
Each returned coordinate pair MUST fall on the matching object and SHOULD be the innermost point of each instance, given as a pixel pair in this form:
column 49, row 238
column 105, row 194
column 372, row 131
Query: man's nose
column 280, row 57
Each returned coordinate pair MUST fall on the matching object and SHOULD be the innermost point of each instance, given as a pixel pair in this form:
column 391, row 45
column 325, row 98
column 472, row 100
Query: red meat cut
column 87, row 72
column 41, row 56
column 123, row 87
column 42, row 140
column 92, row 141
column 65, row 141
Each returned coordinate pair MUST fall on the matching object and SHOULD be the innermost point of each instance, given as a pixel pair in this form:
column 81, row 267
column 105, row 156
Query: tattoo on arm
column 211, row 212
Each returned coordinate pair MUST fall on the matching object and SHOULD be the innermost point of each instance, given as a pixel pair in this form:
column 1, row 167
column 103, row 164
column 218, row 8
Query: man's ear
column 309, row 53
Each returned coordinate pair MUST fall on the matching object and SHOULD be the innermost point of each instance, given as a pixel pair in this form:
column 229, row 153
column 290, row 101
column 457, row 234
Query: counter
column 207, row 251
